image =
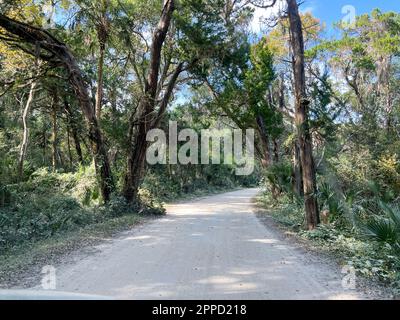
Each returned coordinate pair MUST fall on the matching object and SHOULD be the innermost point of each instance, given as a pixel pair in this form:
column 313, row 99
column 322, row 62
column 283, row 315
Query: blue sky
column 330, row 11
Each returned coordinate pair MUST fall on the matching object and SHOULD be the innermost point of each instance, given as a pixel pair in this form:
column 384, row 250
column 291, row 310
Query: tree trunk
column 301, row 117
column 102, row 26
column 71, row 159
column 143, row 121
column 54, row 135
column 25, row 139
column 298, row 178
column 276, row 150
column 267, row 159
column 74, row 130
column 44, row 147
column 98, row 148
column 99, row 91
column 56, row 49
column 60, row 158
column 264, row 140
column 135, row 165
column 102, row 35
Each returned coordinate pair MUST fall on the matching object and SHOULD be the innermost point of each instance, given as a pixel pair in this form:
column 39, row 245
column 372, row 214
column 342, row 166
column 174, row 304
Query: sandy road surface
column 211, row 248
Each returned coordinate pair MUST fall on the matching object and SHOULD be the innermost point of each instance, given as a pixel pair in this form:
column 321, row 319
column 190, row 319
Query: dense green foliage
column 57, row 188
column 354, row 116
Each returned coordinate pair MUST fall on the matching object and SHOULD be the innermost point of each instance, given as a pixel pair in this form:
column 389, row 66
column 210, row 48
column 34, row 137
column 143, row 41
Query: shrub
column 279, row 176
column 385, row 228
column 49, row 203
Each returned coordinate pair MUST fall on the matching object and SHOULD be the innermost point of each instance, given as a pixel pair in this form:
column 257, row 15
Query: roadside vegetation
column 356, row 135
column 353, row 245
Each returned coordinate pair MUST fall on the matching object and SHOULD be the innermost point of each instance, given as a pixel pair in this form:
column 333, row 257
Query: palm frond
column 382, row 230
column 392, row 212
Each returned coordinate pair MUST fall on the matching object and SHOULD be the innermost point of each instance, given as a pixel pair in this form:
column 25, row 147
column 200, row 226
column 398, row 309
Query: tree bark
column 301, row 116
column 144, row 120
column 54, row 136
column 298, row 177
column 25, row 139
column 99, row 90
column 267, row 159
column 74, row 130
column 276, row 150
column 59, row 52
column 102, row 36
column 71, row 159
column 44, row 146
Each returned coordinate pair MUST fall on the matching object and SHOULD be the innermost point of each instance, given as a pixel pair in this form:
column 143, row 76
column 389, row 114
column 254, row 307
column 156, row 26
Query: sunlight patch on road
column 344, row 296
column 218, row 280
column 268, row 241
column 242, row 272
column 139, row 238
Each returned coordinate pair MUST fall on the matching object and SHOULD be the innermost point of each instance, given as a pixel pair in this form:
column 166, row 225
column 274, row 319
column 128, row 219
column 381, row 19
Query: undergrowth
column 347, row 242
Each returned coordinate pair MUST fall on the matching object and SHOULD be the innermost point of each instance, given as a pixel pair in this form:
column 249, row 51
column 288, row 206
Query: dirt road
column 211, row 248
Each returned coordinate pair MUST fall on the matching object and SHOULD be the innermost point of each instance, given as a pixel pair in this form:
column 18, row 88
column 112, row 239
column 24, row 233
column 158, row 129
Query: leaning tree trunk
column 56, row 50
column 301, row 117
column 25, row 139
column 137, row 152
column 144, row 121
column 135, row 160
column 98, row 148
